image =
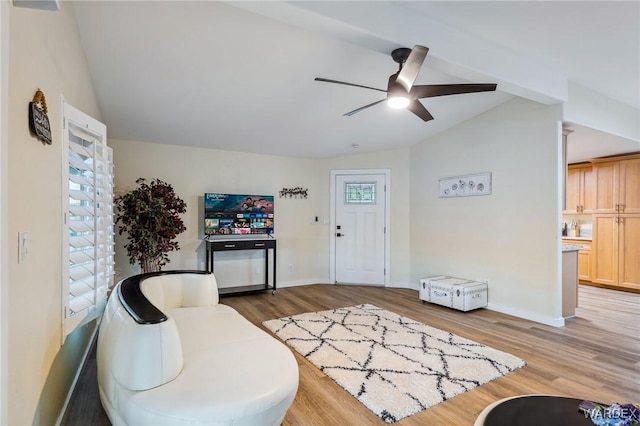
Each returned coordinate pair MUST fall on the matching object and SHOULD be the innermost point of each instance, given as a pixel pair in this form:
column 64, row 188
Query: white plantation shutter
column 88, row 251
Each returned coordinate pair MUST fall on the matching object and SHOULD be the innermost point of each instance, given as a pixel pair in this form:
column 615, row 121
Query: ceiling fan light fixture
column 398, row 102
column 397, row 97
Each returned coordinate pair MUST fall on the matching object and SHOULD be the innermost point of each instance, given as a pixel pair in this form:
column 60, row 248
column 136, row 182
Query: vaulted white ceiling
column 240, row 75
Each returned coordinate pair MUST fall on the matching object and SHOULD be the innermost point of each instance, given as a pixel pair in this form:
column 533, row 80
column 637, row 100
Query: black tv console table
column 248, row 244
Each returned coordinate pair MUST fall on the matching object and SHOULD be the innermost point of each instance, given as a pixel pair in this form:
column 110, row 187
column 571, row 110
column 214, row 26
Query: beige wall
column 303, row 244
column 44, row 53
column 4, row 197
column 194, row 171
column 397, row 161
column 510, row 237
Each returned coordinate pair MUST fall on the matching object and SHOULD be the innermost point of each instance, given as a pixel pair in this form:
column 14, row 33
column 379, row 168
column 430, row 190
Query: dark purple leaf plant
column 150, row 216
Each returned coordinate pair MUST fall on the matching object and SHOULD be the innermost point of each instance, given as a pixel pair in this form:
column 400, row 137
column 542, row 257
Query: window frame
column 86, row 152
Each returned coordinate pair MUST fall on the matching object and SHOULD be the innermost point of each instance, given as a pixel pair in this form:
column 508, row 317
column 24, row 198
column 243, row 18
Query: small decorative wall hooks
column 294, row 192
column 38, row 120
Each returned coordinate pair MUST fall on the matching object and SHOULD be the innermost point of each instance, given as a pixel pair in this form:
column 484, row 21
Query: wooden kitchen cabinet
column 584, row 265
column 607, row 177
column 615, row 259
column 584, row 258
column 629, row 190
column 604, row 265
column 579, row 189
column 615, row 255
column 616, row 185
column 629, row 250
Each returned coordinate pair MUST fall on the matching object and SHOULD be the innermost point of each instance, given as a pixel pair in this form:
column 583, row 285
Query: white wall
column 194, row 171
column 510, row 237
column 596, row 111
column 45, row 53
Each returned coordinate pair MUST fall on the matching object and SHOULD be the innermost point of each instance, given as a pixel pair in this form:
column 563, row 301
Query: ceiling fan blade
column 350, row 113
column 326, row 80
column 418, row 109
column 411, row 67
column 432, row 90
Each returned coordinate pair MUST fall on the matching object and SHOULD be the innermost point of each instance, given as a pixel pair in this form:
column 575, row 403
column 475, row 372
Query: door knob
column 339, row 235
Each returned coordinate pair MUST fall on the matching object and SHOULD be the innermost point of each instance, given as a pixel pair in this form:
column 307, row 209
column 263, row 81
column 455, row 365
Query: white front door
column 359, row 228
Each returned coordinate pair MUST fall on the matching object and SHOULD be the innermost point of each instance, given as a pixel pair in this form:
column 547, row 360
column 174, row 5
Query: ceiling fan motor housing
column 400, row 55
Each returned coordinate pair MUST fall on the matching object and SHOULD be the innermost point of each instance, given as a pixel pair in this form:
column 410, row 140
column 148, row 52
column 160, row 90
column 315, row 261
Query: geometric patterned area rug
column 393, row 365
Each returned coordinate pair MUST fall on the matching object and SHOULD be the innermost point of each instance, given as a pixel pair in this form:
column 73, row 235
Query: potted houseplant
column 150, row 215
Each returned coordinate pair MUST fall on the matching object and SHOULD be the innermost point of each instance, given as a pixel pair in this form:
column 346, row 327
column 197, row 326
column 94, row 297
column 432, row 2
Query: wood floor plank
column 596, row 356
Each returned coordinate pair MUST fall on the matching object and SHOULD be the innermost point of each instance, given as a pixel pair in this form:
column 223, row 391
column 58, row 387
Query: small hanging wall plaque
column 38, row 120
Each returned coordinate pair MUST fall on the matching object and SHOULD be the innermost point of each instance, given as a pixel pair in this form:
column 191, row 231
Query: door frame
column 387, row 218
column 4, row 208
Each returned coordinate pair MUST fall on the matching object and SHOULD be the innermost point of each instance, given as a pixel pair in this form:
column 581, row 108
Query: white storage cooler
column 457, row 293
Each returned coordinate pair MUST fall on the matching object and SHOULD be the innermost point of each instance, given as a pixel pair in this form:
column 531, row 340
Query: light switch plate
column 23, row 246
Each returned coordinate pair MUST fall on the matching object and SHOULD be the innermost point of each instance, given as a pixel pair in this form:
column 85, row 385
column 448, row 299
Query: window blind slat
column 81, row 256
column 77, row 226
column 78, row 304
column 79, row 241
column 80, row 288
column 80, row 179
column 80, row 272
column 80, row 150
column 81, row 195
column 89, row 280
column 78, row 210
column 85, row 165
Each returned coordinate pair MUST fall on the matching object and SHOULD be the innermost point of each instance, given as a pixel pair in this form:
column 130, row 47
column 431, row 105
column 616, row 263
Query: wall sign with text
column 38, row 120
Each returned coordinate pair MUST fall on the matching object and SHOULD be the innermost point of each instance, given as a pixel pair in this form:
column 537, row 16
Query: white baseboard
column 298, row 283
column 410, row 286
column 554, row 322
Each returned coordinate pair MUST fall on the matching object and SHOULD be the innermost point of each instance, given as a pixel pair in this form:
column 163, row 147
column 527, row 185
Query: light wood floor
column 596, row 356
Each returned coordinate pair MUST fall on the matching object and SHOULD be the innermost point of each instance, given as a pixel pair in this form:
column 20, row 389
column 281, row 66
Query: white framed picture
column 465, row 186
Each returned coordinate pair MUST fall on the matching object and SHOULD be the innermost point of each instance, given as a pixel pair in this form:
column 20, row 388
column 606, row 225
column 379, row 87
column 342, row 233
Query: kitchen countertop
column 571, row 247
column 577, row 238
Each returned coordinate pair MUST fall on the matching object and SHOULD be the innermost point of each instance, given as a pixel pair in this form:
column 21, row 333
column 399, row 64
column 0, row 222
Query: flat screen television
column 237, row 214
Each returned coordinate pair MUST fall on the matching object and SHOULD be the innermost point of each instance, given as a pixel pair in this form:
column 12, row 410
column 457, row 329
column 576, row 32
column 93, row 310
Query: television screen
column 235, row 214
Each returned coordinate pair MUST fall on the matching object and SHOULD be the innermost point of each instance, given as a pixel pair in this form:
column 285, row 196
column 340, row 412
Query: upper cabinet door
column 573, row 191
column 588, row 190
column 579, row 189
column 629, row 199
column 605, row 196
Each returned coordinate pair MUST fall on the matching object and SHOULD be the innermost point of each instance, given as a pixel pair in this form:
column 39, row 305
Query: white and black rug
column 394, row 365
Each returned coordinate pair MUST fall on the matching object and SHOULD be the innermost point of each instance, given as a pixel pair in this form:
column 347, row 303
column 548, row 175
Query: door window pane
column 360, row 193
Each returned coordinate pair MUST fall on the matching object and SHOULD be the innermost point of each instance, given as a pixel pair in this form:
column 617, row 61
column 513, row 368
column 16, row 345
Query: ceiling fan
column 401, row 93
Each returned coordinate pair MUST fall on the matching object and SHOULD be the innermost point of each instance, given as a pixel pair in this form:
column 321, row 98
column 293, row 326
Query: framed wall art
column 465, row 186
